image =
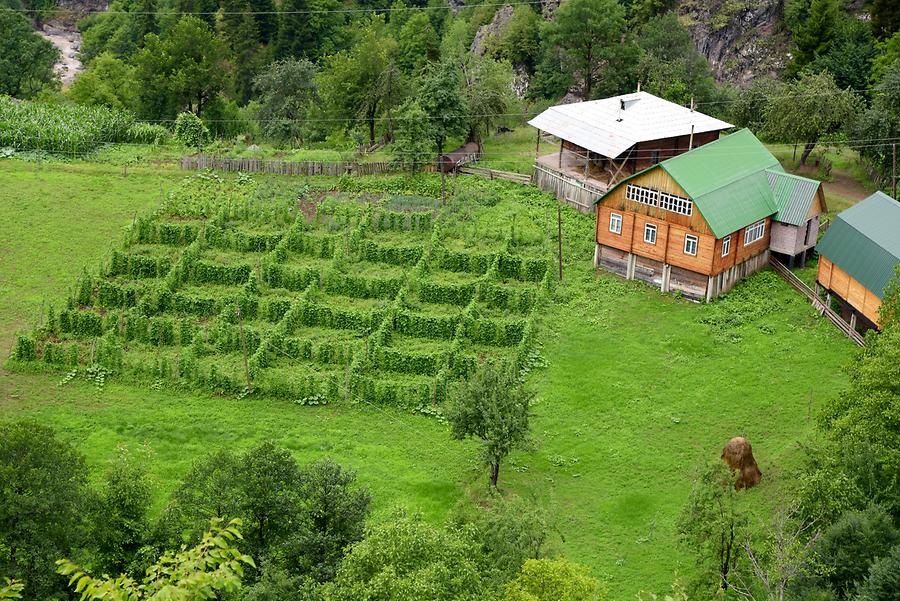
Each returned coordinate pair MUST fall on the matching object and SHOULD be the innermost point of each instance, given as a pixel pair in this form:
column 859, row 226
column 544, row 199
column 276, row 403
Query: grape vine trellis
column 230, row 289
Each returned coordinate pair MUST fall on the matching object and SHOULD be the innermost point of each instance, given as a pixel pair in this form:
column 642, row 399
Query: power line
column 277, row 12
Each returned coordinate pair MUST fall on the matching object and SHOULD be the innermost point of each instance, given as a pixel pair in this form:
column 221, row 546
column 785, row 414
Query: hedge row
column 436, row 327
column 369, row 250
column 148, row 230
column 242, row 241
column 138, row 266
column 277, row 275
column 204, row 272
column 356, row 286
column 401, row 221
column 431, row 291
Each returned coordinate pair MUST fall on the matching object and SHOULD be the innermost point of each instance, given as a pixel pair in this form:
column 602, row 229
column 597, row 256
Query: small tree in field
column 492, row 407
column 712, row 527
column 201, row 572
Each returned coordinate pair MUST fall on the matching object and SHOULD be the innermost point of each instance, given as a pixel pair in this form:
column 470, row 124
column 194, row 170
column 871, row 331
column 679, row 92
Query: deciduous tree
column 26, row 59
column 43, row 504
column 554, row 579
column 589, row 37
column 287, row 90
column 811, row 108
column 493, row 407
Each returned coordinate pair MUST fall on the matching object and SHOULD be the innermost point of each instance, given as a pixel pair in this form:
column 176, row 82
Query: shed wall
column 839, row 281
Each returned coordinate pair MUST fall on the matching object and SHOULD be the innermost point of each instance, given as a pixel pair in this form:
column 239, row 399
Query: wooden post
column 537, row 145
column 587, row 162
column 560, row 154
column 559, row 238
column 244, row 347
column 691, row 141
column 795, row 153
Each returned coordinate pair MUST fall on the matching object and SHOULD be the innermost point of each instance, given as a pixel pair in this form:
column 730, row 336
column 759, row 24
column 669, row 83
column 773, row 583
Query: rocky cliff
column 742, row 39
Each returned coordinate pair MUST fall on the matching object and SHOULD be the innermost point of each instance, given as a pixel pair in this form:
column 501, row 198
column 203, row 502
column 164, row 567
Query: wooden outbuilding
column 604, row 141
column 795, row 228
column 696, row 223
column 858, row 256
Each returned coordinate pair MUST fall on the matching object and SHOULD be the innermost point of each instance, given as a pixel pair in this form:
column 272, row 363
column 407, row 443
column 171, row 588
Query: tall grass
column 68, row 128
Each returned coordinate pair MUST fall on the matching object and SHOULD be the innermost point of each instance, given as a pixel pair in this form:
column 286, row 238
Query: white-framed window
column 690, row 245
column 754, row 232
column 615, row 223
column 726, row 246
column 647, row 196
column 676, row 204
column 650, row 233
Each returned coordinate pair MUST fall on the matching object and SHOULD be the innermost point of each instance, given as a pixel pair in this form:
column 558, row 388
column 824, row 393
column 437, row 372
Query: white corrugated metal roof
column 596, row 124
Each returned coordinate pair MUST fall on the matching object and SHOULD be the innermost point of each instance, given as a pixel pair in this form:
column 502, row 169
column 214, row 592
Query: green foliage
column 108, row 82
column 815, row 28
column 552, row 579
column 881, row 122
column 711, row 525
column 886, row 58
column 883, row 583
column 287, row 91
column 42, row 505
column 850, row 55
column 26, row 59
column 309, row 29
column 404, row 558
column 885, row 18
column 332, row 514
column 190, row 130
column 11, row 589
column 587, row 34
column 487, row 90
column 669, row 66
column 493, row 407
column 181, row 70
column 212, row 567
column 850, row 546
column 812, row 107
column 440, row 98
column 121, row 516
column 413, row 145
column 417, row 43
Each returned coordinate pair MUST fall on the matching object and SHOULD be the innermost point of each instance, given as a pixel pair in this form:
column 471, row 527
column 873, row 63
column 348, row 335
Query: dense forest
column 364, row 73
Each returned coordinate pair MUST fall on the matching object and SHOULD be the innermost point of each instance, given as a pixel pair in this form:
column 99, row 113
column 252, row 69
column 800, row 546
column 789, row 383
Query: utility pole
column 894, row 168
column 537, row 145
column 559, row 238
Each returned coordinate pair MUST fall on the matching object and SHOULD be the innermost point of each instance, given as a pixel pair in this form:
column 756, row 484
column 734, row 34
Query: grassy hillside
column 639, row 388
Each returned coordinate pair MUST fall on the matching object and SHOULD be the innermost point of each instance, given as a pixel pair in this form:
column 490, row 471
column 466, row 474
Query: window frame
column 642, row 195
column 696, row 244
column 726, row 245
column 753, row 229
column 613, row 217
column 650, row 227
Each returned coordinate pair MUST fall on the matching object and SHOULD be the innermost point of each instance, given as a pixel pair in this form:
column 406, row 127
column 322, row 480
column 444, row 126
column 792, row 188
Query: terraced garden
column 231, row 287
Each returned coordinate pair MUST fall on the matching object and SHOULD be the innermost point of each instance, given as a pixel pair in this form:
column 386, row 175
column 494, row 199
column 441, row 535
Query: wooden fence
column 251, row 165
column 572, row 191
column 519, row 178
column 817, row 303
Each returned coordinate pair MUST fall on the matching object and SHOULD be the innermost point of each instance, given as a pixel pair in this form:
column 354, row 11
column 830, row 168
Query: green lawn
column 638, row 392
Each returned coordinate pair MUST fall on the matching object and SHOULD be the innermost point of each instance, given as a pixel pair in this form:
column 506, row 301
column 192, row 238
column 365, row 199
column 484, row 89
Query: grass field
column 640, row 388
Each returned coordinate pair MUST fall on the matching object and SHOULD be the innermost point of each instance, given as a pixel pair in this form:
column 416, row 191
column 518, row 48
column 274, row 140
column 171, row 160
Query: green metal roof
column 793, row 195
column 726, row 179
column 864, row 241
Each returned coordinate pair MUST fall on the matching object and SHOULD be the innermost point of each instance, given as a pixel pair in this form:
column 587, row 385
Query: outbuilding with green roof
column 859, row 255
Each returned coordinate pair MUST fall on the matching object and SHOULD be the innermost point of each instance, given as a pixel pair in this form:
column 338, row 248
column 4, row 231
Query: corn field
column 67, row 128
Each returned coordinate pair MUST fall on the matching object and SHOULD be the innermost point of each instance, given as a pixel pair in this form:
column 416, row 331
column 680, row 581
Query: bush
column 850, row 545
column 884, row 579
column 190, row 130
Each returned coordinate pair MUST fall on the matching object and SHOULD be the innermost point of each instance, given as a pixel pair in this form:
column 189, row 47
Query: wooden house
column 604, row 141
column 698, row 222
column 858, row 256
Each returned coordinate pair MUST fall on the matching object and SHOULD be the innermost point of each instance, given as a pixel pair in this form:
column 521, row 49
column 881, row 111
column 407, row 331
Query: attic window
column 676, row 204
column 647, row 196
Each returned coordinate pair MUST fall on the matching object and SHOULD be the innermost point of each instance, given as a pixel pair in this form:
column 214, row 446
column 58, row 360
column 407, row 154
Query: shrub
column 190, row 130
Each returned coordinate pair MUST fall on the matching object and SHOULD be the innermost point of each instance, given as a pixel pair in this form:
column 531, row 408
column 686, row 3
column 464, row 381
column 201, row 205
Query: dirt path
column 68, row 40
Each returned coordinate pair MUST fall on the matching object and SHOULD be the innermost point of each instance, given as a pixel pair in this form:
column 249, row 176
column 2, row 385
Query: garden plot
column 228, row 287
